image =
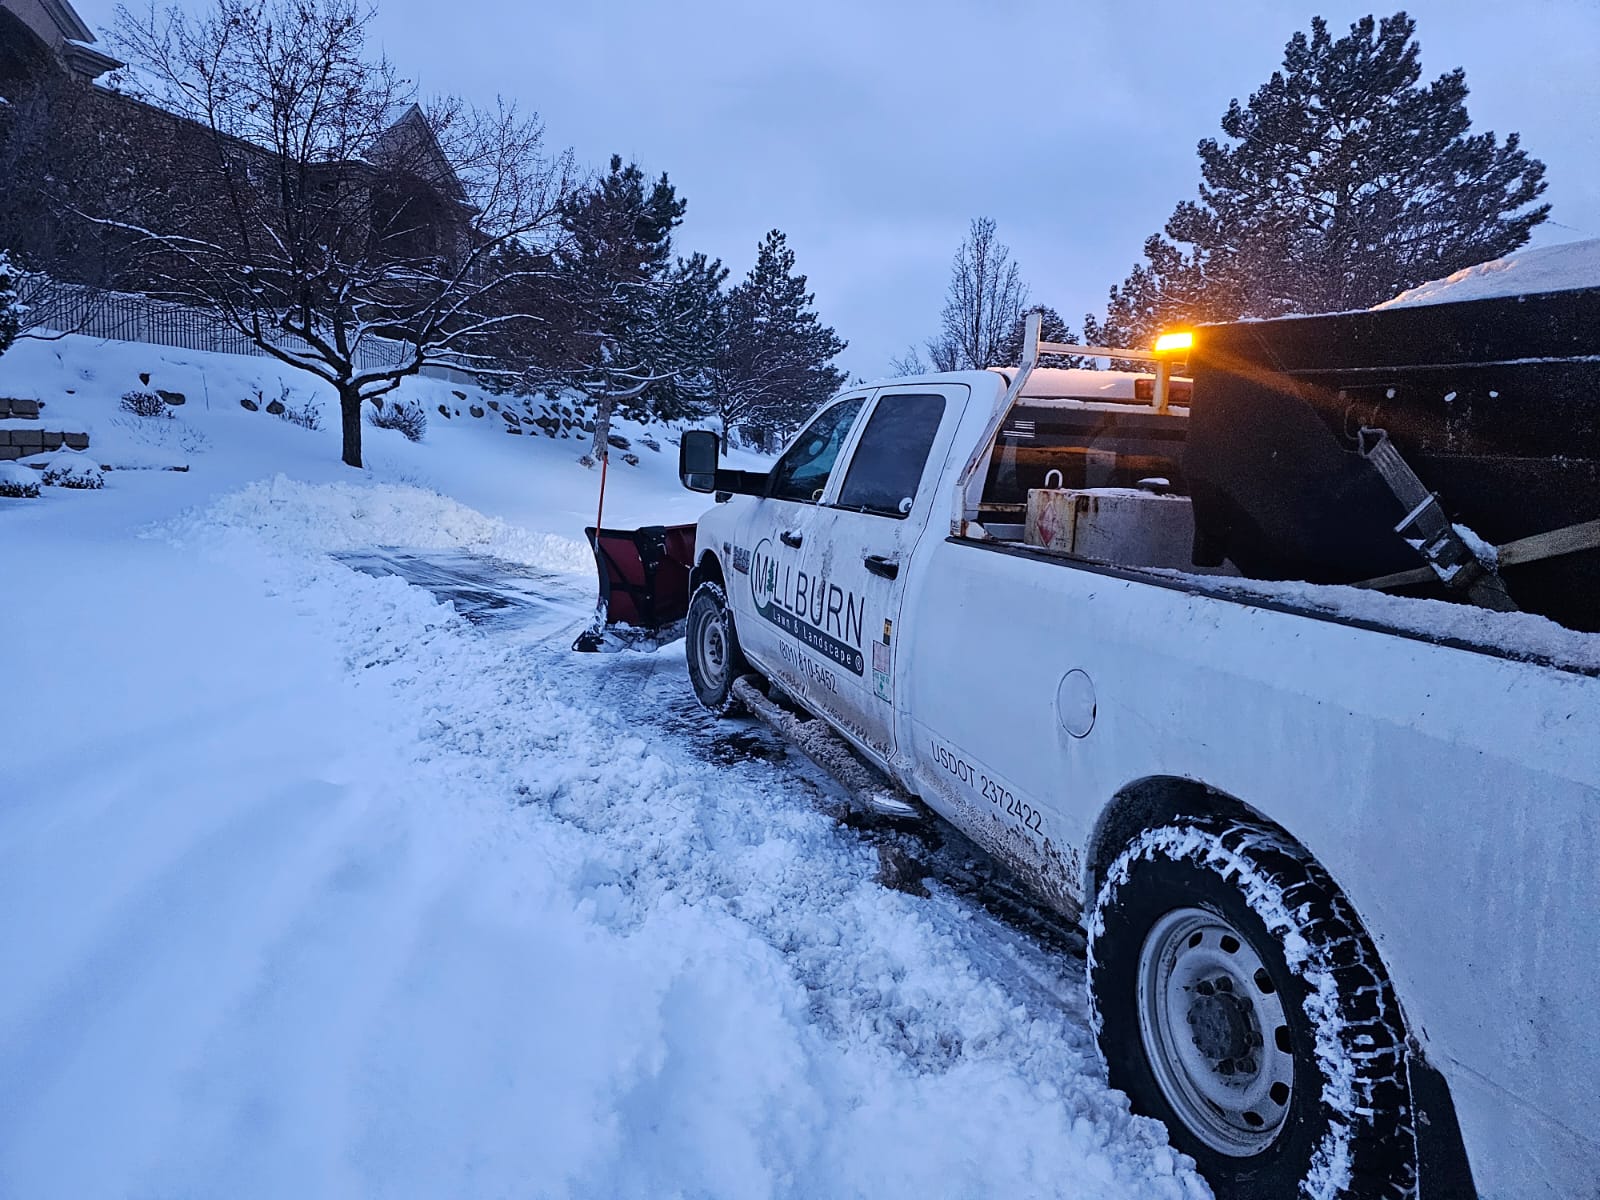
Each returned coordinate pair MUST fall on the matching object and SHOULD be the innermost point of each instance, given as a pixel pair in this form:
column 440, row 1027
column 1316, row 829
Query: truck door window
column 803, row 472
column 888, row 463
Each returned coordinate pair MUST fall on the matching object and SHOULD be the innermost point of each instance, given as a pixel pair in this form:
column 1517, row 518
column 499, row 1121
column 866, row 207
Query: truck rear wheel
column 712, row 649
column 1236, row 998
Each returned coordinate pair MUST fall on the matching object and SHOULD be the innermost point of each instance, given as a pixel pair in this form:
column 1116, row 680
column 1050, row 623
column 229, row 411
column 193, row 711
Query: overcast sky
column 871, row 132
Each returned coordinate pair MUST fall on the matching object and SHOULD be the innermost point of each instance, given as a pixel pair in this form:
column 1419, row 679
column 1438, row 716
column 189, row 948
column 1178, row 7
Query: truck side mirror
column 697, row 460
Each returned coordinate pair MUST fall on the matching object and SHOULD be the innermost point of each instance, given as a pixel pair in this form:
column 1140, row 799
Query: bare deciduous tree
column 324, row 210
column 986, row 298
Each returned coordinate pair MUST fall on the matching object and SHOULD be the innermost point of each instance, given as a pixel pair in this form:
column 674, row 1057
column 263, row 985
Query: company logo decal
column 820, row 615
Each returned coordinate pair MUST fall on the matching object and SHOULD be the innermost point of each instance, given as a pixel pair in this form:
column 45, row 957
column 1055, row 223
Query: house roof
column 412, row 133
column 57, row 24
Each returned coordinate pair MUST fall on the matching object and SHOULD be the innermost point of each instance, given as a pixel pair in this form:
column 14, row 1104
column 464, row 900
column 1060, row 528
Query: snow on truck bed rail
column 1517, row 635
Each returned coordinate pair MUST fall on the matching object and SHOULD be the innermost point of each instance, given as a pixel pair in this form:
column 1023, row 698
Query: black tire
column 711, row 647
column 1319, row 1106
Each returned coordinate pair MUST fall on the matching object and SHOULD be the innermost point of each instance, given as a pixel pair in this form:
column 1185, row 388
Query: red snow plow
column 644, row 581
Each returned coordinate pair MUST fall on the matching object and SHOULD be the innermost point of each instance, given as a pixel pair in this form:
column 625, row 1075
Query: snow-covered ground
column 314, row 888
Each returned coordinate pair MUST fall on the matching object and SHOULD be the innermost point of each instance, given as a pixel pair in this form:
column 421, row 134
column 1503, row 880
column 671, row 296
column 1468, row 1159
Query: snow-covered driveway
column 311, row 887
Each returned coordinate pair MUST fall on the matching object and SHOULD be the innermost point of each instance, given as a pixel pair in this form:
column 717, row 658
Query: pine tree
column 681, row 337
column 1342, row 182
column 774, row 365
column 612, row 271
column 10, row 306
column 1051, row 329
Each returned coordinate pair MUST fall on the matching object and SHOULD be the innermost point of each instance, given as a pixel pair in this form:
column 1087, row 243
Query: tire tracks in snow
column 736, row 839
column 523, row 923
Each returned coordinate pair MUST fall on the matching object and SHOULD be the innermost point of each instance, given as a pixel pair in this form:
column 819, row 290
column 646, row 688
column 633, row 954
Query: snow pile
column 329, row 518
column 525, row 477
column 1526, row 272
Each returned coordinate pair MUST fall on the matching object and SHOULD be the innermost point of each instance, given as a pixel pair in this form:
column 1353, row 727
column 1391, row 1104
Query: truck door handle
column 790, row 538
column 879, row 565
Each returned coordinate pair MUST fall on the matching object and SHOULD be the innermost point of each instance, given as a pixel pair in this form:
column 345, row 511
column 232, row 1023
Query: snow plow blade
column 644, row 582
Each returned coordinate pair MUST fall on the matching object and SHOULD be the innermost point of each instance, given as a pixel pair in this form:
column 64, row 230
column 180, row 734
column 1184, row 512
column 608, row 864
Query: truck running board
column 813, row 738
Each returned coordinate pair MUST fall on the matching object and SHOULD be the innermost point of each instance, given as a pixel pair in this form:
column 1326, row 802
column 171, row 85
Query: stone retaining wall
column 20, row 443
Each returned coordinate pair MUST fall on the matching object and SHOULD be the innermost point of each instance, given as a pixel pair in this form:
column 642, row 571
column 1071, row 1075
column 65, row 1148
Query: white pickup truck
column 1336, row 852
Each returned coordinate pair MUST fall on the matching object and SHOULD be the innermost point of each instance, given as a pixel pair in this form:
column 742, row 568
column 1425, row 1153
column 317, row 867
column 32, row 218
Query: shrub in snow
column 406, row 416
column 174, row 434
column 307, row 414
column 19, row 483
column 144, row 404
column 70, row 469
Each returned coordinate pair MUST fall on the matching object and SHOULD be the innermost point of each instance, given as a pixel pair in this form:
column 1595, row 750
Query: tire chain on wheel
column 1293, row 895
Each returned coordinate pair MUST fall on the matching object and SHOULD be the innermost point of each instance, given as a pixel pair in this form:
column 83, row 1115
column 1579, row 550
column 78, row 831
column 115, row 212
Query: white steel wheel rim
column 711, row 649
column 1211, row 1019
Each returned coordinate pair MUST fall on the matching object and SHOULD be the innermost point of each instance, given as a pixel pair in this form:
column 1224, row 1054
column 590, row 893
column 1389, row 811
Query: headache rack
column 1170, row 350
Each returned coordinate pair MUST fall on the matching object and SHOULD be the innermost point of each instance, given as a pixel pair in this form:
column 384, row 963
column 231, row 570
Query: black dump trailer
column 1492, row 405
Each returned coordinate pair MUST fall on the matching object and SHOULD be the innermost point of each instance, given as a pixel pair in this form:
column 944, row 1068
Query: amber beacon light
column 1170, row 348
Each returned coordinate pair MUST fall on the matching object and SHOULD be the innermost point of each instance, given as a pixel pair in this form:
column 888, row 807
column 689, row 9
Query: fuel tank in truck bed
column 1494, row 403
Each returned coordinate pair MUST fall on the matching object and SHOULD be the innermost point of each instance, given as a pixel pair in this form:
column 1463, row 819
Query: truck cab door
column 771, row 540
column 859, row 556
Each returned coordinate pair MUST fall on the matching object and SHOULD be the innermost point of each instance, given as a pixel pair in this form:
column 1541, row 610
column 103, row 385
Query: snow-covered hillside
column 316, row 889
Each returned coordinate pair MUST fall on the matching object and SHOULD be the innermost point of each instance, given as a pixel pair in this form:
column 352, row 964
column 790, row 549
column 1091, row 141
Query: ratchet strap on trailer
column 1426, row 528
column 1569, row 539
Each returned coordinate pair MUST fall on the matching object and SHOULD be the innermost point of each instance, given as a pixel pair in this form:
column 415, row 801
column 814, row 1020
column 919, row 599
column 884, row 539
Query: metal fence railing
column 129, row 317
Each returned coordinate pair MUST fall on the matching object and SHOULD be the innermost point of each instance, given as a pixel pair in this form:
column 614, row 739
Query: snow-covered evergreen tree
column 774, row 365
column 1342, row 182
column 682, row 336
column 623, row 330
column 10, row 306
